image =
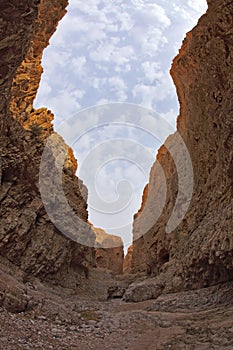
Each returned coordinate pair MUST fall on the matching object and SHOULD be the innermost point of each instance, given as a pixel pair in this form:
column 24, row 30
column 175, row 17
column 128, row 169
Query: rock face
column 27, row 79
column 127, row 266
column 111, row 254
column 199, row 252
column 28, row 238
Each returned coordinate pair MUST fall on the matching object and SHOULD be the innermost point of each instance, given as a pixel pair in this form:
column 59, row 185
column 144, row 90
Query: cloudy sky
column 115, row 51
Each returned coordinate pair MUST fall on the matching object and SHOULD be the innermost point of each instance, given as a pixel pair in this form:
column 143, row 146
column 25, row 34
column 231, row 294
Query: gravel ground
column 172, row 321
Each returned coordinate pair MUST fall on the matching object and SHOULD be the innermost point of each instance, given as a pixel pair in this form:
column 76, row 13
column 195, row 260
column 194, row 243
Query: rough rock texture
column 49, row 316
column 199, row 252
column 197, row 320
column 28, row 239
column 27, row 79
column 127, row 266
column 111, row 253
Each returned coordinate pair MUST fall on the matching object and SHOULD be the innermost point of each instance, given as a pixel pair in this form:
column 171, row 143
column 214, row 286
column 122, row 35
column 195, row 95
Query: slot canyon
column 173, row 290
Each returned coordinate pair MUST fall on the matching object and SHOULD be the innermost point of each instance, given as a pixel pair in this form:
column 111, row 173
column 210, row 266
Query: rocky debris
column 199, row 251
column 13, row 295
column 172, row 322
column 201, row 299
column 116, row 292
column 109, row 251
column 21, row 292
column 141, row 291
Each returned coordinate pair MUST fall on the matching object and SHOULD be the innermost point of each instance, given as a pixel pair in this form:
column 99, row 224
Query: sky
column 106, row 52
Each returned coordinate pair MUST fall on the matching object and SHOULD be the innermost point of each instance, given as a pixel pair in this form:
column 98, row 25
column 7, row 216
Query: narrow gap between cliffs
column 115, row 52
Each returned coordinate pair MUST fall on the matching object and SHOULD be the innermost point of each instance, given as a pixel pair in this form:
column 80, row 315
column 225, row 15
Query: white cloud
column 109, row 52
column 150, row 95
column 78, row 94
column 106, row 51
column 98, row 83
column 153, row 13
column 47, row 89
column 118, row 86
column 79, row 65
column 123, row 68
column 198, row 5
column 64, row 102
column 170, row 117
column 152, row 71
column 126, row 22
column 103, row 101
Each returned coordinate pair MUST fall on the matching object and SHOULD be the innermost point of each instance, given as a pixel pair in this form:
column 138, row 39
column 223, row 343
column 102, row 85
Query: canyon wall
column 109, row 251
column 28, row 238
column 196, row 253
column 199, row 252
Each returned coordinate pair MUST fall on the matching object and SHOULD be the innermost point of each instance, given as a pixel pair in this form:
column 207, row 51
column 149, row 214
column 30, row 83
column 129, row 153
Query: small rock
column 115, row 292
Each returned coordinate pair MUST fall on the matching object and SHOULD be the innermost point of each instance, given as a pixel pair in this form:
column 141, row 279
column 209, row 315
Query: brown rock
column 200, row 249
column 111, row 253
column 116, row 292
column 127, row 266
column 28, row 238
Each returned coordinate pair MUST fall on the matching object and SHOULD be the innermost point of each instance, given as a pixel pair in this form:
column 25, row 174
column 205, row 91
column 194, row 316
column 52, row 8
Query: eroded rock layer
column 28, row 238
column 199, row 252
column 109, row 251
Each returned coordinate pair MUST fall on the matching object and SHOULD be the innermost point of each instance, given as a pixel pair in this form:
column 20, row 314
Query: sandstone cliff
column 27, row 79
column 127, row 266
column 199, row 251
column 28, row 239
column 109, row 251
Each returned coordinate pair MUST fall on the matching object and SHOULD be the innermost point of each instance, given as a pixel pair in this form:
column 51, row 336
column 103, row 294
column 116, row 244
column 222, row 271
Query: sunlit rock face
column 26, row 82
column 28, row 238
column 127, row 267
column 199, row 251
column 109, row 251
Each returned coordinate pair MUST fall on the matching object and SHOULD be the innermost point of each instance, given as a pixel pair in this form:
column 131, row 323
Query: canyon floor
column 63, row 320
